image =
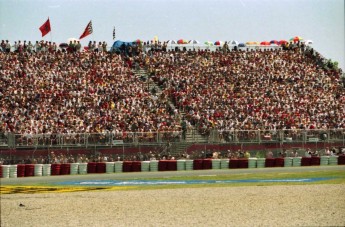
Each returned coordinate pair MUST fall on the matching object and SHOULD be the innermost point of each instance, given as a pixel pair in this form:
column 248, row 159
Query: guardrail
column 10, row 140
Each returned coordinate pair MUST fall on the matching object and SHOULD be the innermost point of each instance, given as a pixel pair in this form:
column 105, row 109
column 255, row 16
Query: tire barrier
column 82, row 168
column 215, row 163
column 341, row 160
column 288, row 162
column 91, row 167
column 197, row 164
column 279, row 162
column 162, row 165
column 224, row 163
column 29, row 170
column 270, row 162
column 252, row 162
column 13, row 171
column 127, row 166
column 74, row 168
column 315, row 161
column 233, row 163
column 243, row 163
column 296, row 161
column 5, row 171
column 333, row 160
column 145, row 166
column 153, row 165
column 189, row 164
column 119, row 167
column 181, row 165
column 306, row 161
column 38, row 170
column 171, row 165
column 65, row 169
column 207, row 164
column 56, row 168
column 136, row 166
column 100, row 167
column 47, row 170
column 324, row 160
column 260, row 163
column 110, row 167
column 20, row 170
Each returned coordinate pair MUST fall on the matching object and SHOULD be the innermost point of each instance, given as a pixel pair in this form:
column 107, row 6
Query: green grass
column 336, row 177
column 262, row 176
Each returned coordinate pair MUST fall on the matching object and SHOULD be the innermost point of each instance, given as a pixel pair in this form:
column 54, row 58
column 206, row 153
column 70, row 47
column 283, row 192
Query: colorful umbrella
column 296, row 39
column 251, row 43
column 138, row 41
column 233, row 43
column 193, row 41
column 265, row 43
column 281, row 42
column 274, row 42
column 218, row 43
column 209, row 43
column 182, row 41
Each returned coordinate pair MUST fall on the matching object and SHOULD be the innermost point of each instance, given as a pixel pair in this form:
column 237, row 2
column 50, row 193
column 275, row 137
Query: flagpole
column 92, row 34
column 51, row 36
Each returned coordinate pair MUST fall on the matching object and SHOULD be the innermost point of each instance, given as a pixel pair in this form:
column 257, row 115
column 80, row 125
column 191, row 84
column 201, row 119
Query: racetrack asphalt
column 49, row 180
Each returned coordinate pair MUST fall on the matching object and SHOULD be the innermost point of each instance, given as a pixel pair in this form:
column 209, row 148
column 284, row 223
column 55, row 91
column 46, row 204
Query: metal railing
column 9, row 140
column 283, row 136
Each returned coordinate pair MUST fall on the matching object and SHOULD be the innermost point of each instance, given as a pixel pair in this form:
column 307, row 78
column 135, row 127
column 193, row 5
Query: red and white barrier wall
column 29, row 170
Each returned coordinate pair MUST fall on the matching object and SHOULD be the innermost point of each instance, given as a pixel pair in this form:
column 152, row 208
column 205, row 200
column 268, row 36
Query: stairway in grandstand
column 192, row 134
column 192, row 137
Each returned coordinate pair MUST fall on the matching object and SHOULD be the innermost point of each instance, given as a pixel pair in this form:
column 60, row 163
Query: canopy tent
column 117, row 44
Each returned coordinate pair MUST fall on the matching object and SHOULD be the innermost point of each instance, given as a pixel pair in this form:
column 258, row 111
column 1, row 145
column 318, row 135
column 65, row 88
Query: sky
column 321, row 21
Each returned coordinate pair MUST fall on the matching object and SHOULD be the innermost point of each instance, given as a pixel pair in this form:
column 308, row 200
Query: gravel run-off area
column 283, row 205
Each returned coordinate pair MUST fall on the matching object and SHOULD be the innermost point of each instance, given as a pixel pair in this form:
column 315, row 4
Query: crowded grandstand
column 227, row 93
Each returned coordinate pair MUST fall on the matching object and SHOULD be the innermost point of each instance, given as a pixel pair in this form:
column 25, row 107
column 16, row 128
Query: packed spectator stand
column 49, row 89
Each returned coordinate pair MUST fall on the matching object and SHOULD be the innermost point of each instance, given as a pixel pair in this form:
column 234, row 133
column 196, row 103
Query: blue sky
column 243, row 20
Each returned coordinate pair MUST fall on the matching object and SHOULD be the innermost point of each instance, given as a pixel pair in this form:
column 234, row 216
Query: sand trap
column 301, row 205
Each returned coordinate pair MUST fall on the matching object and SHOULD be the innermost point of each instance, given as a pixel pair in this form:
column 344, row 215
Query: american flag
column 88, row 30
column 114, row 33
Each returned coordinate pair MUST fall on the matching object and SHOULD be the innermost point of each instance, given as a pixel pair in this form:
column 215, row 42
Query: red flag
column 87, row 31
column 45, row 28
